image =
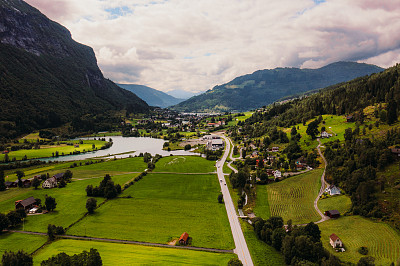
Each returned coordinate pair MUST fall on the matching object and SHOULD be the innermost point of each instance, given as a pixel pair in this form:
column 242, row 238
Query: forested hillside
column 47, row 79
column 264, row 87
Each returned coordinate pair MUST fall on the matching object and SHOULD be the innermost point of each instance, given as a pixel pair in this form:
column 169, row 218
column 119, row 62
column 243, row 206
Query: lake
column 129, row 146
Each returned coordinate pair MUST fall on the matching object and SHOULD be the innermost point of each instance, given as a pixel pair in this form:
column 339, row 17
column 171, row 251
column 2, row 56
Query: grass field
column 261, row 253
column 70, row 200
column 161, row 208
column 125, row 254
column 135, row 164
column 342, row 203
column 185, row 164
column 15, row 241
column 48, row 151
column 292, row 198
column 381, row 240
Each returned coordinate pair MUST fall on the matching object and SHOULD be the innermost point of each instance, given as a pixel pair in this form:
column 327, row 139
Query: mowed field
column 292, row 198
column 17, row 241
column 159, row 208
column 125, row 254
column 342, row 203
column 382, row 241
column 47, row 151
column 185, row 164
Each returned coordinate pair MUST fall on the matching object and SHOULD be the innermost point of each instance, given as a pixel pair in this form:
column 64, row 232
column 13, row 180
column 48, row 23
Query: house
column 26, row 182
column 184, row 239
column 277, row 174
column 349, row 118
column 50, row 183
column 396, row 151
column 270, row 172
column 275, row 149
column 215, row 144
column 335, row 241
column 58, row 176
column 11, row 184
column 26, row 204
column 333, row 190
column 5, row 152
column 332, row 213
column 325, row 134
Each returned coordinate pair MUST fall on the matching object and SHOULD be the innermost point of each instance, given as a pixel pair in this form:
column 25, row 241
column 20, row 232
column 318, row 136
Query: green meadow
column 16, row 241
column 49, row 151
column 342, row 203
column 292, row 198
column 185, row 164
column 159, row 208
column 382, row 241
column 70, row 200
column 126, row 254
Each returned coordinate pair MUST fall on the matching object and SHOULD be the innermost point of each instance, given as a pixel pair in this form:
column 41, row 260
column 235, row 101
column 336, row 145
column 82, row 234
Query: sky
column 195, row 45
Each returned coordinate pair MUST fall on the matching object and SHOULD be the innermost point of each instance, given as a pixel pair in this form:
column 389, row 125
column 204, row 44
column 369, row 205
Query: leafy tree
column 50, row 203
column 293, row 132
column 348, row 134
column 220, row 198
column 235, row 150
column 4, row 222
column 312, row 230
column 36, row 182
column 62, row 183
column 312, row 129
column 20, row 174
column 91, row 205
column 67, row 176
column 392, row 112
column 14, row 218
column 21, row 258
column 53, row 230
column 91, row 258
column 187, row 147
column 2, row 181
column 366, row 261
column 235, row 262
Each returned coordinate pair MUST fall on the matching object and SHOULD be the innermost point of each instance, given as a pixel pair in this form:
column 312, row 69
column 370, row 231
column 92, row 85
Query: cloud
column 195, row 45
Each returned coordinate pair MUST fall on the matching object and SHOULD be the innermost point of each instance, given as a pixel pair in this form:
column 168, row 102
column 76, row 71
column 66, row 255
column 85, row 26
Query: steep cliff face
column 45, row 74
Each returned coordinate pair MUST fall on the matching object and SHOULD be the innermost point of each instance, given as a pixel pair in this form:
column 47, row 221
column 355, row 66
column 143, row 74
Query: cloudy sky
column 195, row 45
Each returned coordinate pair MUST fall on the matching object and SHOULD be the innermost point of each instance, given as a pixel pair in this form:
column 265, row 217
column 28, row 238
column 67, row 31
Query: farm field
column 70, row 200
column 342, row 203
column 292, row 198
column 184, row 164
column 135, row 164
column 16, row 241
column 382, row 241
column 159, row 208
column 48, row 151
column 125, row 254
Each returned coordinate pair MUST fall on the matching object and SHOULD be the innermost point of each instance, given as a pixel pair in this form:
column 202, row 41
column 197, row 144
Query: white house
column 50, row 183
column 333, row 190
column 277, row 174
column 335, row 241
column 325, row 134
column 275, row 149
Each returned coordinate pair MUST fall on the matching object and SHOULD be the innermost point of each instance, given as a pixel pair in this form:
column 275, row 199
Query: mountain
column 47, row 79
column 263, row 87
column 181, row 94
column 152, row 96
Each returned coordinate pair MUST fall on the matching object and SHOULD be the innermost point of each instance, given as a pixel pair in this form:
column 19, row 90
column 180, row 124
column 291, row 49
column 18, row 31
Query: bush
column 363, row 250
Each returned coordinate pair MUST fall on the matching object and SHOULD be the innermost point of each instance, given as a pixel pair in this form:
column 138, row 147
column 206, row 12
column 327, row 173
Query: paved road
column 127, row 242
column 323, row 185
column 241, row 247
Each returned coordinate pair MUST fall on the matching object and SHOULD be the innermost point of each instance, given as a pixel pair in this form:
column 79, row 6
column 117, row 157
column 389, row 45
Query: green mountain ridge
column 47, row 79
column 151, row 96
column 264, row 87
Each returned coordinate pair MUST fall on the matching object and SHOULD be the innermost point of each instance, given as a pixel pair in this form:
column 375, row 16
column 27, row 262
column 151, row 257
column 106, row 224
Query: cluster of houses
column 48, row 183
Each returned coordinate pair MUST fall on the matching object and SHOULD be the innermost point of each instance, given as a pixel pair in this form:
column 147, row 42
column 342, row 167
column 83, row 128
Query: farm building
column 333, row 190
column 349, row 118
column 58, row 176
column 184, row 238
column 26, row 204
column 277, row 174
column 335, row 241
column 396, row 151
column 50, row 183
column 332, row 213
column 26, row 182
column 11, row 184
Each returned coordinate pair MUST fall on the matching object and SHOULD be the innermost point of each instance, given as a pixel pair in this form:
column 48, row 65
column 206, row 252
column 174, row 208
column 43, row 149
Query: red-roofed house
column 184, row 238
column 335, row 241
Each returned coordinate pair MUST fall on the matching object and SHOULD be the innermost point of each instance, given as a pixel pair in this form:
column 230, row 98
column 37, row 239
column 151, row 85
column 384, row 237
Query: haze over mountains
column 47, row 78
column 152, row 96
column 263, row 87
